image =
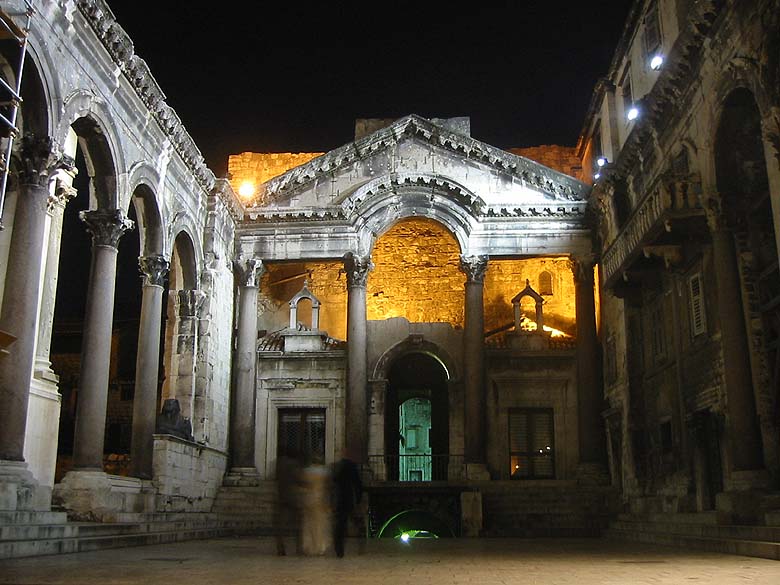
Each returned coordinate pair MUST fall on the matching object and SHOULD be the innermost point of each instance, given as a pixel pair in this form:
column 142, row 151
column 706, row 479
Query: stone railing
column 662, row 203
column 186, row 475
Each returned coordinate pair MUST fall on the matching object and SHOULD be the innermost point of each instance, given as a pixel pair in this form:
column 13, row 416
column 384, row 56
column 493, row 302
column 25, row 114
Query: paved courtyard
column 252, row 560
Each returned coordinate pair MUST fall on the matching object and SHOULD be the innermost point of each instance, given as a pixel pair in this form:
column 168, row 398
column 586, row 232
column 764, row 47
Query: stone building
column 504, row 347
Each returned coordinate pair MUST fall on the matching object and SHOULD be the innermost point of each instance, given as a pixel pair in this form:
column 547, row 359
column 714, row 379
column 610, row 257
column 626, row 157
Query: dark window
column 531, row 443
column 652, row 31
column 545, row 283
column 625, row 85
column 302, row 434
column 698, row 317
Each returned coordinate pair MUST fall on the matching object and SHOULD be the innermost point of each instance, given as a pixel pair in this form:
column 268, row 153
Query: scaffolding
column 10, row 96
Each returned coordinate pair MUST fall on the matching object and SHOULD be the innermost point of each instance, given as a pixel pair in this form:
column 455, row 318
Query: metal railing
column 416, row 468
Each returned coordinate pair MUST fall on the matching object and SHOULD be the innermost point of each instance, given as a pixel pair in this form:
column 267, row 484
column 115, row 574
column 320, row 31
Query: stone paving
column 476, row 562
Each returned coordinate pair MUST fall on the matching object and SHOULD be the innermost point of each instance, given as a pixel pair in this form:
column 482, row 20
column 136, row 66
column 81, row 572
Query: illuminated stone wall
column 561, row 158
column 416, row 275
column 259, row 167
column 283, row 280
column 505, row 278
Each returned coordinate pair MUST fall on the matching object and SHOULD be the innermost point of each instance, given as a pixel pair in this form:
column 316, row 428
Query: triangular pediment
column 416, row 145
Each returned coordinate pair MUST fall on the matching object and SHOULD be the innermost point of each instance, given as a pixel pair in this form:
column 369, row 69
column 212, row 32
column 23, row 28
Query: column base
column 595, row 474
column 241, row 477
column 19, row 490
column 476, row 472
column 96, row 496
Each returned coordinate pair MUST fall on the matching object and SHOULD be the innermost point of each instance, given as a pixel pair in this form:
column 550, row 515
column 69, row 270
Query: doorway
column 302, row 435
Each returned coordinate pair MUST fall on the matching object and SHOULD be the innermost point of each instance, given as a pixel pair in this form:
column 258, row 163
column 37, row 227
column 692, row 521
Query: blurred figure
column 286, row 514
column 315, row 509
column 348, row 492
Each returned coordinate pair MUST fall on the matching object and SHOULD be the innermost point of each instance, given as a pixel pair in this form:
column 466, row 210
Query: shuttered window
column 698, row 316
column 652, row 31
column 531, row 443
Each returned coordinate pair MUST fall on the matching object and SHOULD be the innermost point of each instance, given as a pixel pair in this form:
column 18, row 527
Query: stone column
column 37, row 161
column 744, row 430
column 473, row 359
column 106, row 227
column 590, row 395
column 356, row 418
column 56, row 208
column 242, row 423
column 154, row 270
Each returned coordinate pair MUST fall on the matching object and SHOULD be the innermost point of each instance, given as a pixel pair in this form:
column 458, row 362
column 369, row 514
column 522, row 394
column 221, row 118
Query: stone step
column 751, row 548
column 27, row 517
column 709, row 517
column 737, row 532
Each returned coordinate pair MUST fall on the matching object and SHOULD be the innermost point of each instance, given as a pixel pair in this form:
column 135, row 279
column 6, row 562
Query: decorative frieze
column 154, row 269
column 474, row 267
column 357, row 268
column 106, row 226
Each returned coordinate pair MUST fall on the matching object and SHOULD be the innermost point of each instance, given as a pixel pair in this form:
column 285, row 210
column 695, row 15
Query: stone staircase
column 546, row 508
column 26, row 534
column 253, row 505
column 700, row 531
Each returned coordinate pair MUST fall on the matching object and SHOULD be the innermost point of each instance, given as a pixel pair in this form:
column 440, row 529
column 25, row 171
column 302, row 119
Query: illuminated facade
column 500, row 326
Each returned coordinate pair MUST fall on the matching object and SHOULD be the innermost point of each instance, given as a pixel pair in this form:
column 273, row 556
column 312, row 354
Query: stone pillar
column 356, row 418
column 242, row 423
column 154, row 270
column 590, row 395
column 38, row 160
column 473, row 359
column 744, row 431
column 106, row 227
column 56, row 209
column 189, row 304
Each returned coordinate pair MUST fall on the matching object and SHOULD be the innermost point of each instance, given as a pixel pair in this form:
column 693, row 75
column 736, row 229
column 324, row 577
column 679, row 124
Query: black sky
column 288, row 77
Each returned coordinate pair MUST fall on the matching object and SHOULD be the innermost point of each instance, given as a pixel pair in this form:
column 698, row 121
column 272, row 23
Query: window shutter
column 698, row 317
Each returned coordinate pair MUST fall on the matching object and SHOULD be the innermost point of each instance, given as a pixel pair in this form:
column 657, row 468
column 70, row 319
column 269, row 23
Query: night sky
column 249, row 77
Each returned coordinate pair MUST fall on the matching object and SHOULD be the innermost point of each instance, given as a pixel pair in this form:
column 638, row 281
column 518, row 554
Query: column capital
column 474, row 267
column 39, row 157
column 248, row 270
column 582, row 266
column 357, row 268
column 154, row 269
column 106, row 226
column 59, row 199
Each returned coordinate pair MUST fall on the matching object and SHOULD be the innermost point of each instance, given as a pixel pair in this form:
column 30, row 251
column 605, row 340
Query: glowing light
column 633, row 113
column 656, row 62
column 601, row 161
column 597, row 176
column 405, row 537
column 247, row 189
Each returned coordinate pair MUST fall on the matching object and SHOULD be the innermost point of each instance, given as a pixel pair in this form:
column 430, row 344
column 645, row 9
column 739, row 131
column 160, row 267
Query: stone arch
column 143, row 185
column 381, row 203
column 184, row 261
column 415, row 344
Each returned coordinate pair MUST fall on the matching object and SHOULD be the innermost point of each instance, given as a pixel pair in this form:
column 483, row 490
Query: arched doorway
column 417, row 419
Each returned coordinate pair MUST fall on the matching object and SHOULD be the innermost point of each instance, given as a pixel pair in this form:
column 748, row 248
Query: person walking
column 286, row 513
column 348, row 493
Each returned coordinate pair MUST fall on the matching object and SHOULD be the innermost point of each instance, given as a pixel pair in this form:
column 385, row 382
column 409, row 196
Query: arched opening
column 743, row 184
column 416, row 274
column 417, row 419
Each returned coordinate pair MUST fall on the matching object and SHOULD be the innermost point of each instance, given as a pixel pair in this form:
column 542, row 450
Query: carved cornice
column 248, row 271
column 357, row 268
column 106, row 226
column 225, row 193
column 474, row 267
column 556, row 185
column 37, row 158
column 154, row 269
column 120, row 47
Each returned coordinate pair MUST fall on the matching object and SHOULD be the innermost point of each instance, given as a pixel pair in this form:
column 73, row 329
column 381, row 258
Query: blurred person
column 315, row 509
column 348, row 493
column 287, row 513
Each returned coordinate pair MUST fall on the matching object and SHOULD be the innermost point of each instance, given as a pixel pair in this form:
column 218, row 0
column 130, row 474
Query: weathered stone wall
column 186, row 475
column 560, row 158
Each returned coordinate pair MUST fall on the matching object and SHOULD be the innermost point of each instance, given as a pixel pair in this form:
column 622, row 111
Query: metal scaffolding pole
column 9, row 30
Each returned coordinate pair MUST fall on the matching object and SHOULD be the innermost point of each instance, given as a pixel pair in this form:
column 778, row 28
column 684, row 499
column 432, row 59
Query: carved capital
column 357, row 268
column 59, row 199
column 248, row 271
column 106, row 226
column 474, row 267
column 582, row 267
column 190, row 303
column 154, row 269
column 38, row 158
